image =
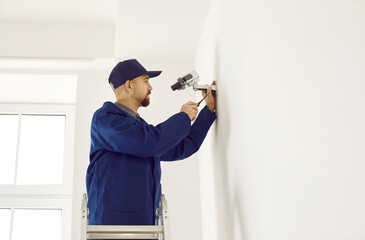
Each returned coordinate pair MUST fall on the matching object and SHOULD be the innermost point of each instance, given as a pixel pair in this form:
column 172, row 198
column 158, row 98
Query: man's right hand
column 190, row 108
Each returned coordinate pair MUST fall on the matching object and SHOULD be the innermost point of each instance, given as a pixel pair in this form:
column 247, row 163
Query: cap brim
column 153, row 74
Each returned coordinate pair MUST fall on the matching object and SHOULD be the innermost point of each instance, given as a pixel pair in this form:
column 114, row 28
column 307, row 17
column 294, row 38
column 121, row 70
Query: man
column 123, row 178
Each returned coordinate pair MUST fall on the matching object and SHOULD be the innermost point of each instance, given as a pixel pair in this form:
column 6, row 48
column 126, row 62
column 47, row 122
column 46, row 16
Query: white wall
column 56, row 39
column 287, row 156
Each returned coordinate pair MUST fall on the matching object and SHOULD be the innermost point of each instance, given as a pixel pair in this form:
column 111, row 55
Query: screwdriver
column 202, row 99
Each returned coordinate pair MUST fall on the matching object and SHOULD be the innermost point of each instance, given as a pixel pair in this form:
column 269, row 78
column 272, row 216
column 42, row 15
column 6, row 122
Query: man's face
column 143, row 89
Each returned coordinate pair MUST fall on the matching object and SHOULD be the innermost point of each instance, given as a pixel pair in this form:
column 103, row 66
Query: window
column 36, row 159
column 40, row 224
column 35, row 218
column 38, row 146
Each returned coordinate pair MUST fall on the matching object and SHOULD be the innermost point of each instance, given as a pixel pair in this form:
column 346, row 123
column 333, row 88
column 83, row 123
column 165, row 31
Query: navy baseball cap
column 128, row 70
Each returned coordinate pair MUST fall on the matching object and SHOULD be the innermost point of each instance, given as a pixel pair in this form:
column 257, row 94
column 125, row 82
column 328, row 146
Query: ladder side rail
column 165, row 218
column 84, row 217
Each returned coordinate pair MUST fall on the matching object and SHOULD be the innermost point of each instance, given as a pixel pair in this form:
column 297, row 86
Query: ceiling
column 100, row 11
column 165, row 29
column 158, row 29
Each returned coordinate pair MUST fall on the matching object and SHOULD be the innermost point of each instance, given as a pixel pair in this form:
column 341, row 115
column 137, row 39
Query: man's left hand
column 210, row 100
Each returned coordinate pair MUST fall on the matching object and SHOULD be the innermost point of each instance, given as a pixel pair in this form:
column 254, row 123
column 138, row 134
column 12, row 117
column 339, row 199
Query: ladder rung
column 124, row 229
column 122, row 236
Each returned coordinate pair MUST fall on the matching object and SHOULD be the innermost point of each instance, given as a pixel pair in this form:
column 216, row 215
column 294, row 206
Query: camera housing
column 191, row 79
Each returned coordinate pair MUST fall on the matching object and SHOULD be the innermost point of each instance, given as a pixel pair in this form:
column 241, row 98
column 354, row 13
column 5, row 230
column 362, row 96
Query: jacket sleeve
column 123, row 134
column 192, row 142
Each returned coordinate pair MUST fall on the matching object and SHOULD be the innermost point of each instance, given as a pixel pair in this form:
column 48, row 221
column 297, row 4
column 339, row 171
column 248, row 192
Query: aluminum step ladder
column 159, row 231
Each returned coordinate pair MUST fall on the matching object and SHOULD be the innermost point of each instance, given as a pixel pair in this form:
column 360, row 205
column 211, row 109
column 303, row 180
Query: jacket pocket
column 125, row 191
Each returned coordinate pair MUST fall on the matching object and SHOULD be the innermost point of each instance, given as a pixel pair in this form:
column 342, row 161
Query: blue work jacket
column 123, row 177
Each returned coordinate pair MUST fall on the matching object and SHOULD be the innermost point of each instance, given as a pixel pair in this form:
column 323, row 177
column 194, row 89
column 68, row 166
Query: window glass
column 41, row 150
column 8, row 144
column 5, row 217
column 40, row 224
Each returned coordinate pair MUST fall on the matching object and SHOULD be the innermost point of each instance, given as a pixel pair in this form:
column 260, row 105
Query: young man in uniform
column 123, row 178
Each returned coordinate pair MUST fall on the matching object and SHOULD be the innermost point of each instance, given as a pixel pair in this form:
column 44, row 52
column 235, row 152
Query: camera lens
column 176, row 86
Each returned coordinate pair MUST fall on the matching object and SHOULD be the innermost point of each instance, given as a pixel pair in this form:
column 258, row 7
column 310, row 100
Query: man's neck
column 130, row 104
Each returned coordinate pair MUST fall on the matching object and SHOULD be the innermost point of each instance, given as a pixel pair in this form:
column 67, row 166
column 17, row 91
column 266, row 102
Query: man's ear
column 128, row 85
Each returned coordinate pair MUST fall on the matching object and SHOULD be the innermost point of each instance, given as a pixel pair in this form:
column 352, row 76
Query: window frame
column 63, row 203
column 46, row 109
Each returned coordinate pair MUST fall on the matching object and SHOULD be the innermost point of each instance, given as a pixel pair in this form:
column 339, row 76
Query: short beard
column 145, row 102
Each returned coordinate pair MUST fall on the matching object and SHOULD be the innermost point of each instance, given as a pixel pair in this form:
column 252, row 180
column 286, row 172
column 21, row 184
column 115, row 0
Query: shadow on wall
column 229, row 211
